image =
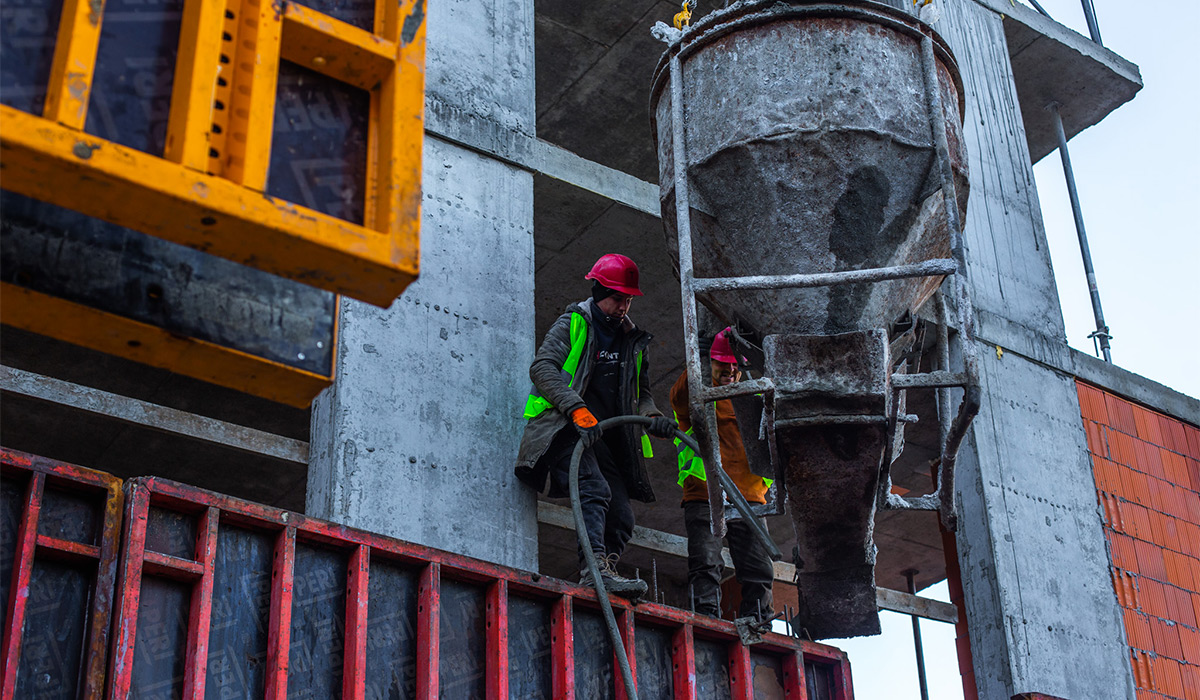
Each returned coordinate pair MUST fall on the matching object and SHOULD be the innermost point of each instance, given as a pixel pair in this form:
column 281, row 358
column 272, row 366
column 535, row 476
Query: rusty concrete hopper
column 820, row 142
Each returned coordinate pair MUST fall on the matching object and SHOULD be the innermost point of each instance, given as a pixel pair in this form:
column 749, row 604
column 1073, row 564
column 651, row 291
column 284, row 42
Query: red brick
column 1179, row 603
column 1166, row 638
column 1095, row 436
column 1122, row 552
column 1120, row 447
column 1193, row 441
column 1153, row 598
column 1196, row 605
column 1189, row 639
column 1158, row 526
column 1137, row 631
column 1168, row 678
column 1175, row 468
column 1191, row 683
column 1148, row 426
column 1091, row 403
column 1143, row 673
column 1189, row 504
column 1148, row 459
column 1193, row 468
column 1171, row 538
column 1150, row 561
column 1136, row 521
column 1120, row 414
column 1111, row 507
column 1179, row 570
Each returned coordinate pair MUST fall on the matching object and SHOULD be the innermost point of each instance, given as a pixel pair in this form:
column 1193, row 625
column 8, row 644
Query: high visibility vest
column 692, row 464
column 536, row 404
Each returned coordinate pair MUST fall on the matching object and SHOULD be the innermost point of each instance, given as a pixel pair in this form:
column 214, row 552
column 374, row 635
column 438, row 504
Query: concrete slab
column 1053, row 63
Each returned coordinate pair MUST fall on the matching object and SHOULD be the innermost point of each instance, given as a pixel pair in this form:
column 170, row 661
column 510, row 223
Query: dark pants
column 751, row 564
column 603, row 495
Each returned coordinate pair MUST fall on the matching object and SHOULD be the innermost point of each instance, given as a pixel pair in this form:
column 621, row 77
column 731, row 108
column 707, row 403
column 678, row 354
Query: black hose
column 589, row 556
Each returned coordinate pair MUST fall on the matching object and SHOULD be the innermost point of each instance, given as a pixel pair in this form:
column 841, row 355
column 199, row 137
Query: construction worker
column 591, row 366
column 751, row 562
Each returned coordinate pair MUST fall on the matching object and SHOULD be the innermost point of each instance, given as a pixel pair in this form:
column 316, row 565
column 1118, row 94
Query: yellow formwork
column 206, row 190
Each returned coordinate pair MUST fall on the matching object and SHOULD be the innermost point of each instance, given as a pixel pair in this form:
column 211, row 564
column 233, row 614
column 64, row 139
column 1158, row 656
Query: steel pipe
column 1101, row 331
column 928, row 268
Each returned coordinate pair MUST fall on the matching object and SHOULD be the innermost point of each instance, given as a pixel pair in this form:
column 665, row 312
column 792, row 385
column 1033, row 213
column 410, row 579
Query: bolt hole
column 214, row 153
column 229, row 14
column 224, row 58
column 208, row 221
column 217, row 104
column 226, row 36
column 154, row 292
column 134, row 343
column 221, row 82
column 216, row 129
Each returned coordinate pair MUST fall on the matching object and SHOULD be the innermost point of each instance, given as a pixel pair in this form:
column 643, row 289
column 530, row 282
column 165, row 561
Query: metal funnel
column 809, row 150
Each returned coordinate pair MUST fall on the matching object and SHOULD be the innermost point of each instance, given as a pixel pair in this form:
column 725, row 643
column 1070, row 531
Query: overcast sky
column 1138, row 174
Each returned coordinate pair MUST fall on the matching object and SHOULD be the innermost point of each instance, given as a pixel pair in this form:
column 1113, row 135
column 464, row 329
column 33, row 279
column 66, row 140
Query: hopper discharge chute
column 808, row 152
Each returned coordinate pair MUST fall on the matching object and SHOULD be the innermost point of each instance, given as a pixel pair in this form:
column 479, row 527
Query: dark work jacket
column 550, row 381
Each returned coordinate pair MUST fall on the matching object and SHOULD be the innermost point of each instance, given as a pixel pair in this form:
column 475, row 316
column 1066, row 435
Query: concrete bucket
column 809, row 149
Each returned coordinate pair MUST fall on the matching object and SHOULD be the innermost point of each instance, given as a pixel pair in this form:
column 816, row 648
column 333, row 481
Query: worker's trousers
column 751, row 563
column 603, row 494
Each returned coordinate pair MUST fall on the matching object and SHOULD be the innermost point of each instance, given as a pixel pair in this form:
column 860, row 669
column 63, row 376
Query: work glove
column 661, row 426
column 587, row 425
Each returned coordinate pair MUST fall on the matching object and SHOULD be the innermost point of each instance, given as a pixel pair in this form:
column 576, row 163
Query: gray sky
column 1138, row 174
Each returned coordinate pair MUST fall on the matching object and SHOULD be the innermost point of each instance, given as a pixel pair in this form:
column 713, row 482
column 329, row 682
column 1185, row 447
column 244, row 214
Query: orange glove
column 583, row 418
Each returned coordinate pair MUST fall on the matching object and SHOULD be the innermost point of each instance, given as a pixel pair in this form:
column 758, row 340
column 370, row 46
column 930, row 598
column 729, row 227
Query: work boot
column 614, row 583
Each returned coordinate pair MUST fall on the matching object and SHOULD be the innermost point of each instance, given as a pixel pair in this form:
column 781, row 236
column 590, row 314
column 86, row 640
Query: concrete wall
column 417, row 437
column 1041, row 609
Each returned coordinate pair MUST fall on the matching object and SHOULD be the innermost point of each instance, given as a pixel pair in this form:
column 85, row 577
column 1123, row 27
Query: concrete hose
column 589, row 556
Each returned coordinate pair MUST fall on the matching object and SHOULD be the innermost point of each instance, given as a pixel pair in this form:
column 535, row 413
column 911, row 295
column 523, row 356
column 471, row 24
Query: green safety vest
column 536, row 404
column 691, row 464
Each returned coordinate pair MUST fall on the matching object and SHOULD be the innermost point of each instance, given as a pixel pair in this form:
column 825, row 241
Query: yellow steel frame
column 211, row 198
column 206, row 190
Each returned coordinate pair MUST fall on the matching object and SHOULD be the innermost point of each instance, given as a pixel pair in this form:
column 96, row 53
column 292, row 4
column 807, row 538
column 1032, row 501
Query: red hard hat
column 721, row 350
column 617, row 272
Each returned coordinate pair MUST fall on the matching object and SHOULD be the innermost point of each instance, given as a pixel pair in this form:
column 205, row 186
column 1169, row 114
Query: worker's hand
column 587, row 425
column 661, row 426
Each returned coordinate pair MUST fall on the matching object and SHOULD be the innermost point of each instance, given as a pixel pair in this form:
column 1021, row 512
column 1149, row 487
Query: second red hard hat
column 618, row 272
column 722, row 350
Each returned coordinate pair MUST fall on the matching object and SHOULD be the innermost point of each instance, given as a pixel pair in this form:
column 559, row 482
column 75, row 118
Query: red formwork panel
column 224, row 598
column 59, row 538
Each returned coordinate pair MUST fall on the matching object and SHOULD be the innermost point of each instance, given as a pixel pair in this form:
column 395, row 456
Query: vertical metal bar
column 399, row 130
column 197, row 64
column 843, row 686
column 252, row 107
column 74, row 65
column 794, row 686
column 497, row 641
column 102, row 601
column 943, row 346
column 120, row 670
column 627, row 624
column 683, row 659
column 200, row 615
column 18, row 596
column 687, row 276
column 1089, row 12
column 429, row 614
column 1101, row 331
column 916, row 626
column 279, row 634
column 948, row 512
column 741, row 672
column 354, row 670
column 562, row 650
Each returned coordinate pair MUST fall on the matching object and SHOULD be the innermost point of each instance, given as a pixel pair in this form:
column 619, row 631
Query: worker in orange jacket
column 751, row 562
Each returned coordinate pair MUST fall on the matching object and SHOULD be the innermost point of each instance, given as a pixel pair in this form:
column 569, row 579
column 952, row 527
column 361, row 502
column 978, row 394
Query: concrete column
column 1040, row 606
column 417, row 437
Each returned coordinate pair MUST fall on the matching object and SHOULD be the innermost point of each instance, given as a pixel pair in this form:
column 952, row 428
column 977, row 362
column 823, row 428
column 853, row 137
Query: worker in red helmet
column 591, row 366
column 751, row 562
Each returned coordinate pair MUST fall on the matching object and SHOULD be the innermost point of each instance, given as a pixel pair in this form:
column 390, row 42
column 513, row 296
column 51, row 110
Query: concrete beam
column 676, row 546
column 527, row 152
column 167, row 420
column 1053, row 63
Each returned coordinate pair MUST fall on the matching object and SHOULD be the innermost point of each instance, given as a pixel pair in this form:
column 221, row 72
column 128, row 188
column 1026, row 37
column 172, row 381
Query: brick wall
column 1147, row 468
